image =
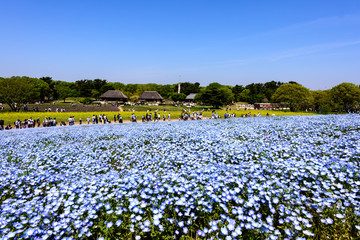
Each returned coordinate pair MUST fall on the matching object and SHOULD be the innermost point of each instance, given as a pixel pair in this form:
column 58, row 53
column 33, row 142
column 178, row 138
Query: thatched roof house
column 150, row 96
column 114, row 95
column 190, row 97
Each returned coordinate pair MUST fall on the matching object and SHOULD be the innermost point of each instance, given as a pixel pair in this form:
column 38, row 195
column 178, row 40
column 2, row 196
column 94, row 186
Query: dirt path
column 120, row 109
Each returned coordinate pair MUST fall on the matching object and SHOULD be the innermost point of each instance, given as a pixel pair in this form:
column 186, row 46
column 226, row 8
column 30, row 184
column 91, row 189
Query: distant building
column 114, row 95
column 150, row 97
column 190, row 97
column 266, row 106
column 264, row 100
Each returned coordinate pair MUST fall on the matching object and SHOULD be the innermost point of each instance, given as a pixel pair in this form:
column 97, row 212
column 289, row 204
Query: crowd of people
column 31, row 123
column 191, row 116
column 156, row 116
column 103, row 119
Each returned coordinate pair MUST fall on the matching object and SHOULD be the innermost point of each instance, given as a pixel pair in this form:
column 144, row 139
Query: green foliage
column 16, row 91
column 106, row 87
column 177, row 97
column 118, row 86
column 326, row 108
column 215, row 95
column 65, row 90
column 86, row 100
column 245, row 95
column 95, row 93
column 345, row 97
column 294, row 96
column 321, row 101
column 50, row 93
column 270, row 88
column 188, row 88
column 341, row 98
column 165, row 90
column 214, row 85
column 256, row 92
column 236, row 91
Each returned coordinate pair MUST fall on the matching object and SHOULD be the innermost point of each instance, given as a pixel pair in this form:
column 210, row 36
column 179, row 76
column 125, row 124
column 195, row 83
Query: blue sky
column 315, row 43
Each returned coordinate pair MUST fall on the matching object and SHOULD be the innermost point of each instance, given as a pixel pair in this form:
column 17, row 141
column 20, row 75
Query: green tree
column 321, row 100
column 106, row 87
column 345, row 96
column 50, row 93
column 118, row 86
column 237, row 91
column 270, row 88
column 294, row 96
column 65, row 90
column 94, row 94
column 166, row 90
column 245, row 95
column 177, row 97
column 257, row 92
column 17, row 91
column 84, row 87
column 97, row 84
column 215, row 95
column 187, row 87
column 42, row 88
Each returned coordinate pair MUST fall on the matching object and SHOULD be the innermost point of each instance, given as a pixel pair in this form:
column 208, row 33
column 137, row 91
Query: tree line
column 344, row 97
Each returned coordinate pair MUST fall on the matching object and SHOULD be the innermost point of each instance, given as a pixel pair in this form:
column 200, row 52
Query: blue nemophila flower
column 339, row 216
column 147, row 223
column 224, row 231
column 308, row 233
column 109, row 224
column 107, row 206
column 327, row 221
column 200, row 233
column 217, row 168
column 156, row 221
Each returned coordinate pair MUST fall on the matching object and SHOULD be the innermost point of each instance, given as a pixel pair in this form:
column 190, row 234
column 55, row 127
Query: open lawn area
column 11, row 117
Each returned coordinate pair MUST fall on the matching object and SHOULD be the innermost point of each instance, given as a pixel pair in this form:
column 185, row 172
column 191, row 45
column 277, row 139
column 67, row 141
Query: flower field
column 292, row 177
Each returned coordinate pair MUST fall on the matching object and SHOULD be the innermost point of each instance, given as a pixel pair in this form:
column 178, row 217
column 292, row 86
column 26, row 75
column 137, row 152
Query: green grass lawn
column 164, row 107
column 11, row 117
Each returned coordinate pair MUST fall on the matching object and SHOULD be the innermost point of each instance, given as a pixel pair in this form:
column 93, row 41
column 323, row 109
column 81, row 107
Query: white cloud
column 312, row 49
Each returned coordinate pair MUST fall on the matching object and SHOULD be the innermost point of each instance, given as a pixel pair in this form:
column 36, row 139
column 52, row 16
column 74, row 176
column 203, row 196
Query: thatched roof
column 114, row 95
column 265, row 100
column 191, row 96
column 150, row 95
